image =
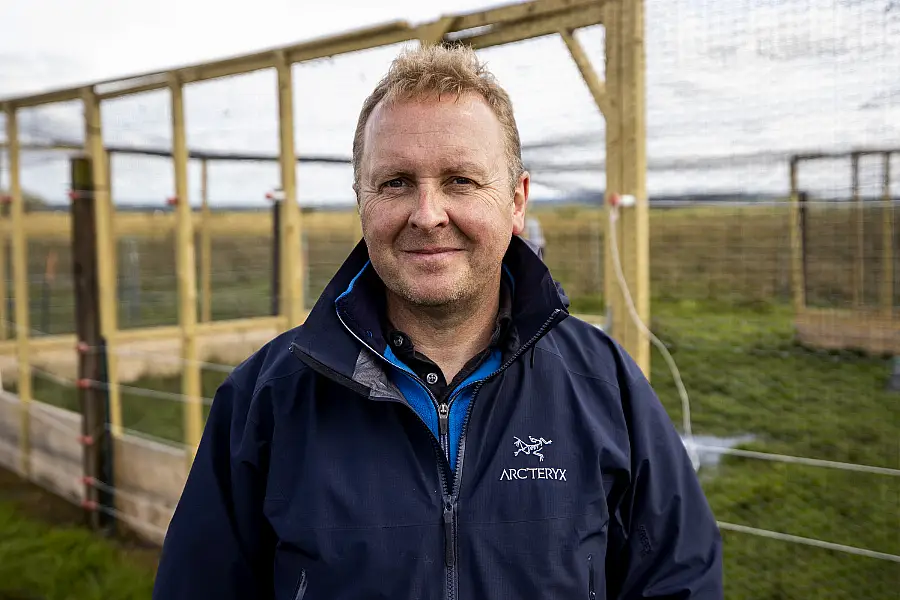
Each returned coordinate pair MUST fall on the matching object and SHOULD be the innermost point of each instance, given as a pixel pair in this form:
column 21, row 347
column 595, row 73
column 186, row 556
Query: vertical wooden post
column 105, row 248
column 627, row 172
column 887, row 239
column 4, row 315
column 92, row 400
column 294, row 269
column 798, row 283
column 276, row 283
column 186, row 269
column 20, row 284
column 859, row 257
column 205, row 247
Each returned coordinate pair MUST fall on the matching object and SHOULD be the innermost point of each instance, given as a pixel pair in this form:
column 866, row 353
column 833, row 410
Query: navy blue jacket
column 316, row 479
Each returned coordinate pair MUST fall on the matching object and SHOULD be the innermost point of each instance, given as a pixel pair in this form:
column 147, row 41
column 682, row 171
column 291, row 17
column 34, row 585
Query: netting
column 734, row 89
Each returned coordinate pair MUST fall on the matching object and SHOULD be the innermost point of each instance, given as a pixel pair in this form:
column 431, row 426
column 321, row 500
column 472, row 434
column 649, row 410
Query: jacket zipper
column 592, row 595
column 450, row 502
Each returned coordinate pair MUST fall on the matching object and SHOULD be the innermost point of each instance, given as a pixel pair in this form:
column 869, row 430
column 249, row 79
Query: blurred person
column 440, row 426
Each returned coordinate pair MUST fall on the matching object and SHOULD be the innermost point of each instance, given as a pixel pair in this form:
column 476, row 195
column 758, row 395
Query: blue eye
column 461, row 181
column 394, row 183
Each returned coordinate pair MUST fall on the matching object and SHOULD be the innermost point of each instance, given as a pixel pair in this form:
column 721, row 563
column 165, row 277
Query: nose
column 429, row 212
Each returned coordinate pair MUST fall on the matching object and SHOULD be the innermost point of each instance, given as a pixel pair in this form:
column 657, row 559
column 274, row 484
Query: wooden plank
column 293, row 271
column 518, row 11
column 872, row 331
column 593, row 81
column 20, row 285
column 534, row 28
column 186, row 275
column 106, row 250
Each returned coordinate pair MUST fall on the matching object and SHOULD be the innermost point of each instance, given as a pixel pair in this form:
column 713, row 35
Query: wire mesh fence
column 734, row 89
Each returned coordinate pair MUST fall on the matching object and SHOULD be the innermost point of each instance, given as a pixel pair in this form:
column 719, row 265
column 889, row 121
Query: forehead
column 431, row 130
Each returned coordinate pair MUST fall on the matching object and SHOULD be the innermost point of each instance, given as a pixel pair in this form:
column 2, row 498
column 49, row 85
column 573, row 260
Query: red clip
column 269, row 196
column 614, row 199
column 87, row 480
column 172, row 201
column 74, row 195
column 82, row 347
column 86, row 440
column 83, row 384
column 88, row 505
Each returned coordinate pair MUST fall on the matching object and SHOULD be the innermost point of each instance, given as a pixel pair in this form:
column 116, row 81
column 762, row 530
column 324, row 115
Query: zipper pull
column 443, row 418
column 449, row 541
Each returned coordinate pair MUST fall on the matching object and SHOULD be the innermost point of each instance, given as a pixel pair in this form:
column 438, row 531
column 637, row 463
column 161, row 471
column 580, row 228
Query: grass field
column 46, row 553
column 721, row 282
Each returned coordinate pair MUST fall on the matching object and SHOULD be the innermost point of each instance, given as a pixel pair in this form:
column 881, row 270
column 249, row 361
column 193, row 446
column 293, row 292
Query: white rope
column 796, row 539
column 676, row 374
column 812, row 462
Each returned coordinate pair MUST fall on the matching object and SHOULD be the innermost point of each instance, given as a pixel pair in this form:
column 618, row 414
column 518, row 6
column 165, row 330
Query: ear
column 520, row 203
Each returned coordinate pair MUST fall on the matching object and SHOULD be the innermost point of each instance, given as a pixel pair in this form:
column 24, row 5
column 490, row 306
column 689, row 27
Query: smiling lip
column 431, row 251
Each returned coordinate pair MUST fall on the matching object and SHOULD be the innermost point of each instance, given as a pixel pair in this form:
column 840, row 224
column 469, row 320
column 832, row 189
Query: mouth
column 432, row 251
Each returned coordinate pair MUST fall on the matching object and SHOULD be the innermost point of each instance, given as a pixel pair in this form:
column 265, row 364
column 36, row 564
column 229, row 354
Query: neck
column 449, row 335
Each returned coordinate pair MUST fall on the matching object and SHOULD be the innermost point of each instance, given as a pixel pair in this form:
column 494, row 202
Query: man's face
column 436, row 202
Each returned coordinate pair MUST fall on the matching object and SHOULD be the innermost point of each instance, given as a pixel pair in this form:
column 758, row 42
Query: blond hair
column 442, row 69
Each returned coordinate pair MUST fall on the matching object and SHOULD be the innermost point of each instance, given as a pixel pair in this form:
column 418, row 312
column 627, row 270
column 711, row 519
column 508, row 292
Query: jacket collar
column 347, row 314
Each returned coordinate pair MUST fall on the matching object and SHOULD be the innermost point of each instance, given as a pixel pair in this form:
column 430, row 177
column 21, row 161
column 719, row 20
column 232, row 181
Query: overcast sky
column 54, row 43
column 725, row 78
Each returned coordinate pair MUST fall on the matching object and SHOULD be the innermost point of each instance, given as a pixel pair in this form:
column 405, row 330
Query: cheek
column 381, row 218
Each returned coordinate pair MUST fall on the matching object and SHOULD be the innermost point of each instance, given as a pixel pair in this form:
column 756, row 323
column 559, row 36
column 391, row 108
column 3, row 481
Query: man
column 440, row 427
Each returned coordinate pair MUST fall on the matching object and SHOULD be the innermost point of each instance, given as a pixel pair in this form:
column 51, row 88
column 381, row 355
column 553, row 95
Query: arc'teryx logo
column 535, row 448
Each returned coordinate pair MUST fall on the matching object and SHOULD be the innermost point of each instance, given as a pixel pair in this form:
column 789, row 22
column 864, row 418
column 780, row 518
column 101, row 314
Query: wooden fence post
column 191, row 384
column 276, row 291
column 205, row 247
column 91, row 350
column 859, row 272
column 20, row 283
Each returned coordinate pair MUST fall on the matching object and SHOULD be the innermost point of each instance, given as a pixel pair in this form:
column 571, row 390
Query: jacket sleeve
column 218, row 543
column 668, row 542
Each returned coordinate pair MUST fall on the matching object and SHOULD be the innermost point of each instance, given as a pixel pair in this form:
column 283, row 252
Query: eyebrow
column 381, row 172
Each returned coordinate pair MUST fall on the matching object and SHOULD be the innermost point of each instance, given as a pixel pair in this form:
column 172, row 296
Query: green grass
column 46, row 554
column 746, row 376
column 721, row 285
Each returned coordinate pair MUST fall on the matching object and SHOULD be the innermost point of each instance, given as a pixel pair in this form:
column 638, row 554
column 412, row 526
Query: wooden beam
column 106, row 249
column 20, row 285
column 798, row 283
column 434, row 32
column 519, row 11
column 186, row 274
column 205, row 247
column 570, row 20
column 593, row 81
column 887, row 239
column 293, row 270
column 627, row 172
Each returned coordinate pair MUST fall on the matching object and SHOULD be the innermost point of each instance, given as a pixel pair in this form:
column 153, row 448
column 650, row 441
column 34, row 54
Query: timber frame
column 872, row 329
column 621, row 100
